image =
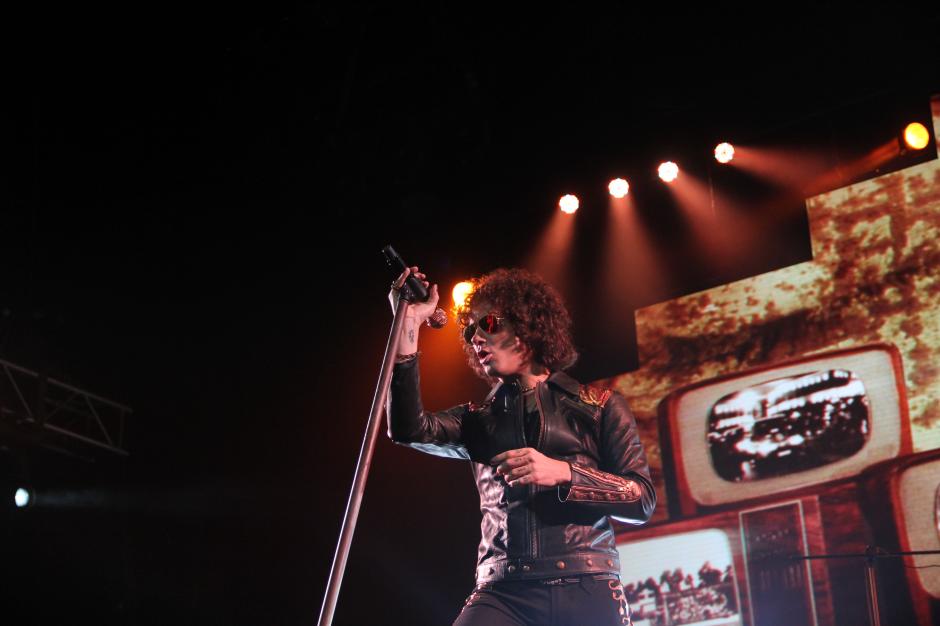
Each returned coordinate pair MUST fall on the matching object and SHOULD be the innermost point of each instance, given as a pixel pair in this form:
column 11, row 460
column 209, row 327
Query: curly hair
column 534, row 309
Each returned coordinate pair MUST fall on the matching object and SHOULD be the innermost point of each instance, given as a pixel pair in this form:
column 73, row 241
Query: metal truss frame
column 59, row 415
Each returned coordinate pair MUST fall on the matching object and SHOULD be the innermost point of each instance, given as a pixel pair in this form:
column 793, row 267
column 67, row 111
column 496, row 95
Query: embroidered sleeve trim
column 610, row 488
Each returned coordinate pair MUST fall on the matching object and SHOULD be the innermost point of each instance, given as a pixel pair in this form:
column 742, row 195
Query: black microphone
column 418, row 291
column 438, row 319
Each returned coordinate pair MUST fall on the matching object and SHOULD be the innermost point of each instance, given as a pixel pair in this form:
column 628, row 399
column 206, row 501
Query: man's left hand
column 527, row 466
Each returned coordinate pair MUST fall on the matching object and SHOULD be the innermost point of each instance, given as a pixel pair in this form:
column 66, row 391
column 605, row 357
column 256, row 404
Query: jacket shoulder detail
column 595, row 396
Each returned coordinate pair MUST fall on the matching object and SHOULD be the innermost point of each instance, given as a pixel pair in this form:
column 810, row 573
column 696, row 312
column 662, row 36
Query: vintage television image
column 902, row 501
column 783, row 427
column 735, row 567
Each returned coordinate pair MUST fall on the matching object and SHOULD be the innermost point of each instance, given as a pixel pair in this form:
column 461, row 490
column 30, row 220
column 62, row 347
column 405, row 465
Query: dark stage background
column 193, row 203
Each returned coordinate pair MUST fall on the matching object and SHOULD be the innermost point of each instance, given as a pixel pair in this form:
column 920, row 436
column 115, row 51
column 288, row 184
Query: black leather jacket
column 529, row 531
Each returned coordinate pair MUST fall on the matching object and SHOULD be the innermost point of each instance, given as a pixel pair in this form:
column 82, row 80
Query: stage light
column 724, row 152
column 22, row 497
column 618, row 188
column 569, row 204
column 916, row 136
column 668, row 171
column 461, row 292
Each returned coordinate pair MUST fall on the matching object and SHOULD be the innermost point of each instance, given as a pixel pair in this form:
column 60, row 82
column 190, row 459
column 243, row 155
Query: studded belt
column 548, row 567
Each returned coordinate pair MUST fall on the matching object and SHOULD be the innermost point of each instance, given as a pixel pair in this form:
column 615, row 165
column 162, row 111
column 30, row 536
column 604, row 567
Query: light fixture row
column 668, row 172
column 915, row 135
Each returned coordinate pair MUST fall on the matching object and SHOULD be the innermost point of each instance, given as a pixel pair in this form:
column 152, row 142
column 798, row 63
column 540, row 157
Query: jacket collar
column 557, row 379
column 565, row 382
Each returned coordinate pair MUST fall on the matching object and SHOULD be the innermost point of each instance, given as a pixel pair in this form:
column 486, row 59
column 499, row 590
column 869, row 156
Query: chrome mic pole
column 362, row 468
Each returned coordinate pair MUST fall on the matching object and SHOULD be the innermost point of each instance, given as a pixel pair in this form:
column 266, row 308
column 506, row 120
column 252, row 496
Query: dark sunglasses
column 489, row 324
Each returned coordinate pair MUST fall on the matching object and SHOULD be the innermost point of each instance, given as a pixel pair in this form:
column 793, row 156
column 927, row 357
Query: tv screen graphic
column 783, row 427
column 789, row 424
column 778, row 585
column 919, row 495
column 903, row 503
column 731, row 567
column 688, row 578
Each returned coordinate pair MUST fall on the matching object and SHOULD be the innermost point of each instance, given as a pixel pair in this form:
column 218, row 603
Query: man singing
column 553, row 459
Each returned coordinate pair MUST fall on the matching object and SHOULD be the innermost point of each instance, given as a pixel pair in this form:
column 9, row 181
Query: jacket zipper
column 538, row 403
column 522, row 438
column 533, row 488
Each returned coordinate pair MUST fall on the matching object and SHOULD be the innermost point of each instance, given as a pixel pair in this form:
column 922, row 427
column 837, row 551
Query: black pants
column 591, row 600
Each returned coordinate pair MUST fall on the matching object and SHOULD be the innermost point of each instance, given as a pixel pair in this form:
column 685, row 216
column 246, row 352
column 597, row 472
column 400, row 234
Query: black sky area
column 194, row 198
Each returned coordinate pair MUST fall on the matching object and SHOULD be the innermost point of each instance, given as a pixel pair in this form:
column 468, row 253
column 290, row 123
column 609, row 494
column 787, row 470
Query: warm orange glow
column 668, row 171
column 724, row 238
column 790, row 168
column 550, row 257
column 916, row 136
column 461, row 292
column 618, row 188
column 724, row 152
column 632, row 269
column 569, row 204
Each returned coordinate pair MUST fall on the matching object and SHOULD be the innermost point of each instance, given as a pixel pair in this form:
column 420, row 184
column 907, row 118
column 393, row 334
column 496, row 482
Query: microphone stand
column 365, row 461
column 871, row 554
